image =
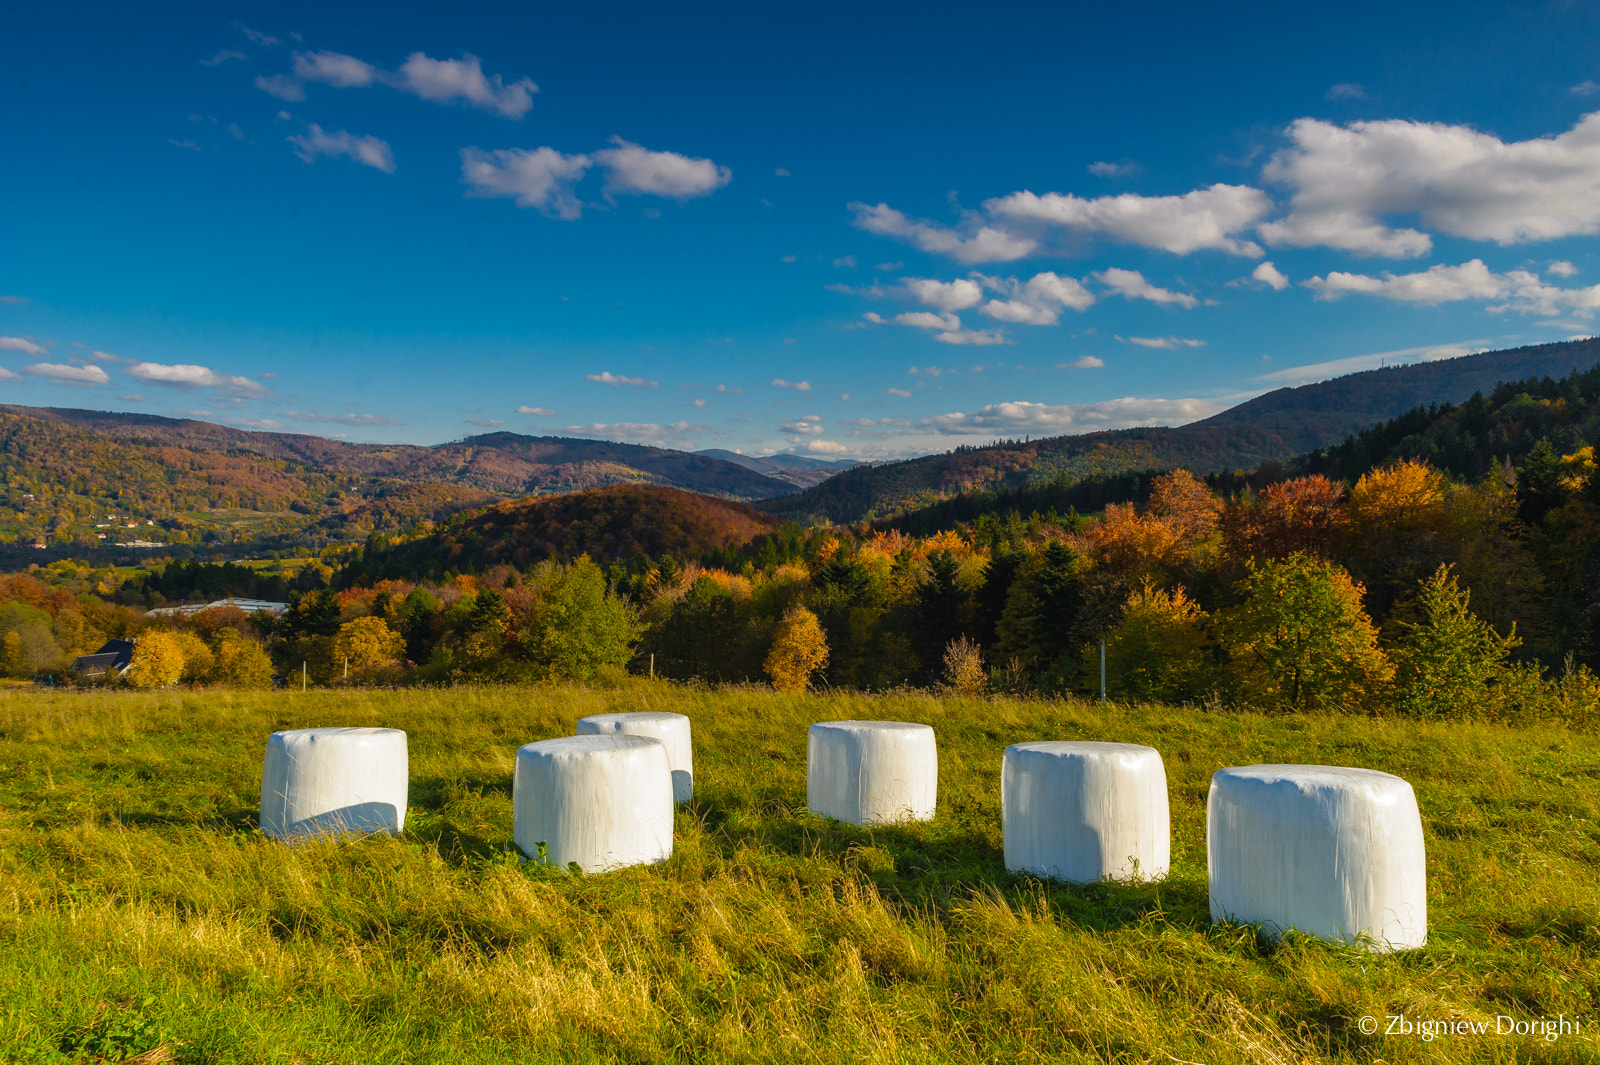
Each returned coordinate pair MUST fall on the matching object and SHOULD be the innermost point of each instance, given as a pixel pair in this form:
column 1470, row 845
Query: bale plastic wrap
column 601, row 801
column 1081, row 811
column 1331, row 851
column 872, row 772
column 671, row 729
column 326, row 781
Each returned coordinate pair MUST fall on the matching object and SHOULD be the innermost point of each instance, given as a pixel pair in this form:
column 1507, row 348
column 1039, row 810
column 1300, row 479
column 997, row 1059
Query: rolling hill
column 802, row 471
column 1274, row 426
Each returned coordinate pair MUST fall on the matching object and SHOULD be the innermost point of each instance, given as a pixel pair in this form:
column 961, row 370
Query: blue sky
column 846, row 232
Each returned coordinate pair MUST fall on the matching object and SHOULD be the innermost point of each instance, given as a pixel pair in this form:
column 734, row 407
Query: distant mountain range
column 802, row 471
column 1274, row 426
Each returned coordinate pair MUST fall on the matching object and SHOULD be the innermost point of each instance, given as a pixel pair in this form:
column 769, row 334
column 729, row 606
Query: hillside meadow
column 142, row 913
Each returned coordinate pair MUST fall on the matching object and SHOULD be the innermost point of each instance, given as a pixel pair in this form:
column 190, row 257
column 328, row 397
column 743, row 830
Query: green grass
column 139, row 907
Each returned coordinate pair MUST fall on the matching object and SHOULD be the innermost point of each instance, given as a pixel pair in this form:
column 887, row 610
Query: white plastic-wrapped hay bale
column 1083, row 811
column 1331, row 851
column 671, row 729
column 327, row 781
column 601, row 801
column 872, row 772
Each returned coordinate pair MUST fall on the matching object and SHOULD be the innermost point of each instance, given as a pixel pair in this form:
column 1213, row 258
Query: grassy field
column 139, row 907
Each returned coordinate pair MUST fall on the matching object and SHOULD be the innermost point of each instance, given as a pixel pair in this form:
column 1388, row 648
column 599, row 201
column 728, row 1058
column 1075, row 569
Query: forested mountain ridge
column 86, row 478
column 1272, row 427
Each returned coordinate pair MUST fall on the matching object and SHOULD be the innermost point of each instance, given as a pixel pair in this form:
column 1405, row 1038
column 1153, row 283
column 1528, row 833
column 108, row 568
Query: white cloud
column 945, row 295
column 697, row 403
column 452, row 80
column 486, row 423
column 338, row 419
column 541, row 411
column 283, row 86
column 541, row 178
column 185, row 375
column 780, row 172
column 256, row 36
column 1520, row 290
column 636, row 171
column 606, row 377
column 984, row 245
column 790, row 258
column 1049, row 420
column 82, row 375
column 847, row 262
column 13, row 301
column 810, row 425
column 1208, row 218
column 890, row 266
column 902, row 393
column 1348, row 180
column 1562, row 268
column 1585, row 88
column 332, row 68
column 368, row 151
column 1126, row 168
column 7, row 375
column 826, row 447
column 1321, row 371
column 1270, row 276
column 1037, row 301
column 1348, row 90
column 1132, row 285
column 22, row 344
column 221, row 57
column 798, row 386
column 1088, row 362
column 649, row 434
column 1166, row 343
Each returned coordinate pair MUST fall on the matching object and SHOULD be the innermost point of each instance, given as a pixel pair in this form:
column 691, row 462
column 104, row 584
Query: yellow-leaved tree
column 367, row 641
column 799, row 649
column 157, row 660
column 1157, row 649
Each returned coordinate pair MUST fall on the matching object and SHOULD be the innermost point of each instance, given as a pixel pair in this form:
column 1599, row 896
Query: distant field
column 139, row 906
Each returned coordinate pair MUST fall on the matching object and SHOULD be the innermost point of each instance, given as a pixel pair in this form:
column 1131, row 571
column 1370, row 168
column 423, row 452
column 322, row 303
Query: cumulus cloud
column 221, row 57
column 1348, row 180
column 256, row 36
column 798, row 386
column 22, row 344
column 541, row 411
column 462, row 80
column 338, row 419
column 1561, row 268
column 1519, row 290
column 368, row 151
column 636, row 171
column 185, row 375
column 544, row 177
column 847, row 262
column 1045, row 419
column 541, row 178
column 1166, row 343
column 810, row 425
column 1208, row 218
column 1587, row 87
column 78, row 375
column 1087, row 362
column 945, row 295
column 984, row 244
column 606, row 377
column 7, row 375
column 1037, row 301
column 1132, row 285
column 826, row 447
column 902, row 393
column 1270, row 276
column 443, row 81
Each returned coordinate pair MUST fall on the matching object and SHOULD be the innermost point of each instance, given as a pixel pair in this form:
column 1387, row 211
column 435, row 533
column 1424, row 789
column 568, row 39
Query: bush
column 1450, row 662
column 1157, row 650
column 964, row 669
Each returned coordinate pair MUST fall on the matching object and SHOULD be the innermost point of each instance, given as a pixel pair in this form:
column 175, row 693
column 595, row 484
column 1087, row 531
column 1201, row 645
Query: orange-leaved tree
column 799, row 649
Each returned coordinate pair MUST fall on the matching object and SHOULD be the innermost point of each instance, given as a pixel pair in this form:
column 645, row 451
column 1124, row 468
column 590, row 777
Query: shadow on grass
column 936, row 865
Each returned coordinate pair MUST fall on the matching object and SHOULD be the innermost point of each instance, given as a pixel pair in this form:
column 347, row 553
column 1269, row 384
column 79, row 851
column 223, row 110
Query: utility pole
column 302, row 676
column 652, row 665
column 1102, row 671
